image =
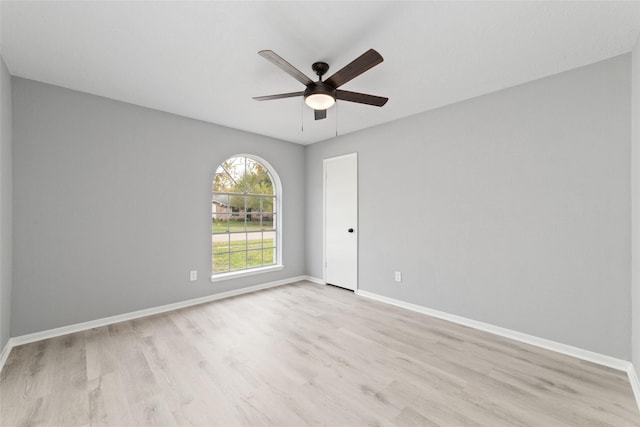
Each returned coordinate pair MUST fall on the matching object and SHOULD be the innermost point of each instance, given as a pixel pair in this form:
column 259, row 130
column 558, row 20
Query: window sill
column 244, row 273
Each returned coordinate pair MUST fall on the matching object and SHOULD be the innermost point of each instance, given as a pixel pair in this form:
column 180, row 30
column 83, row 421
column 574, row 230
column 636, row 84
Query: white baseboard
column 78, row 327
column 315, row 280
column 601, row 359
column 4, row 355
column 635, row 384
column 579, row 353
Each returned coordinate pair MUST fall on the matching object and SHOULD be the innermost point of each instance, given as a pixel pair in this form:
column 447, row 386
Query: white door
column 341, row 221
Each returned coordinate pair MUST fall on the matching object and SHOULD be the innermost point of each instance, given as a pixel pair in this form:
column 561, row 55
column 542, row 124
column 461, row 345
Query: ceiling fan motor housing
column 322, row 95
column 320, row 88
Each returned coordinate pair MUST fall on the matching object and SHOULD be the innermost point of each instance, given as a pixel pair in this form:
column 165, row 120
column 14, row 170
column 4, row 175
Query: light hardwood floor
column 303, row 354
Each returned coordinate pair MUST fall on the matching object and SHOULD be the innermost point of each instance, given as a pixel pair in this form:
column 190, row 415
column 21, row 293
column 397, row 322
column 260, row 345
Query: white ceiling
column 199, row 59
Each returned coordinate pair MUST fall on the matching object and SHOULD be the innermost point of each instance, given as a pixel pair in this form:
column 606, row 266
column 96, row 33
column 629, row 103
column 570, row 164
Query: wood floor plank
column 303, row 354
column 108, row 405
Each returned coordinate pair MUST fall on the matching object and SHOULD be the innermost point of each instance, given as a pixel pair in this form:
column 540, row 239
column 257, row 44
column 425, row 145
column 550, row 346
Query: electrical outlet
column 193, row 275
column 398, row 276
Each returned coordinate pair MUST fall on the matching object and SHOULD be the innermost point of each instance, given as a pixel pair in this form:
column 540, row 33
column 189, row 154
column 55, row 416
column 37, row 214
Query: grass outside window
column 241, row 254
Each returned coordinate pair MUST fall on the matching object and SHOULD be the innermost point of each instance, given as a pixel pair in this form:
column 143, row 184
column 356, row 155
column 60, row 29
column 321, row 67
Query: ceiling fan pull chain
column 336, row 119
column 302, row 116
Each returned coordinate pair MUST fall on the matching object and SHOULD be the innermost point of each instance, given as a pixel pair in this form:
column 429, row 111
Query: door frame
column 324, row 217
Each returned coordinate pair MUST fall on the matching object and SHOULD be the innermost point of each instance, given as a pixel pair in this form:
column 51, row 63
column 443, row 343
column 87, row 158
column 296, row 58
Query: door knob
column 350, row 230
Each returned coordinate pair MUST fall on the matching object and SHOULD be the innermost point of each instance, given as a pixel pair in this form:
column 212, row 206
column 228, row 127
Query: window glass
column 243, row 216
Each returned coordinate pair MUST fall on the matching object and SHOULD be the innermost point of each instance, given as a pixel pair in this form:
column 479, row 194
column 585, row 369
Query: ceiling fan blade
column 279, row 96
column 285, row 66
column 367, row 60
column 320, row 114
column 361, row 98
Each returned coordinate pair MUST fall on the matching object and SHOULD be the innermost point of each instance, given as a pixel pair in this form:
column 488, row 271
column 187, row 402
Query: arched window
column 245, row 218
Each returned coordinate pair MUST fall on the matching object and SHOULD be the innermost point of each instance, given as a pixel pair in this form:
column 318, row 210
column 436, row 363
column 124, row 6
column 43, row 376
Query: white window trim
column 248, row 272
column 269, row 268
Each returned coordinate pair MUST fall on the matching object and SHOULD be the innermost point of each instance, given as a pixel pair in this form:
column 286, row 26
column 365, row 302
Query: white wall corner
column 635, row 206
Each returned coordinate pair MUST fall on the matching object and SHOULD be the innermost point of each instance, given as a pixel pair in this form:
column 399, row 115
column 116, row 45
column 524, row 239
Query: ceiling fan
column 321, row 95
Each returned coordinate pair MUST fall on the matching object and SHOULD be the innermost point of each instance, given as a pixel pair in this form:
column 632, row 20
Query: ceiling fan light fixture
column 320, row 101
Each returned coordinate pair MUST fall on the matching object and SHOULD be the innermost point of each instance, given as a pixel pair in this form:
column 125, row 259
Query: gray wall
column 112, row 206
column 511, row 209
column 635, row 206
column 5, row 204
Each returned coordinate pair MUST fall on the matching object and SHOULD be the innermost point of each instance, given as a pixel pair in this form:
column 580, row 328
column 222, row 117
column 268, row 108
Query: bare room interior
column 319, row 213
